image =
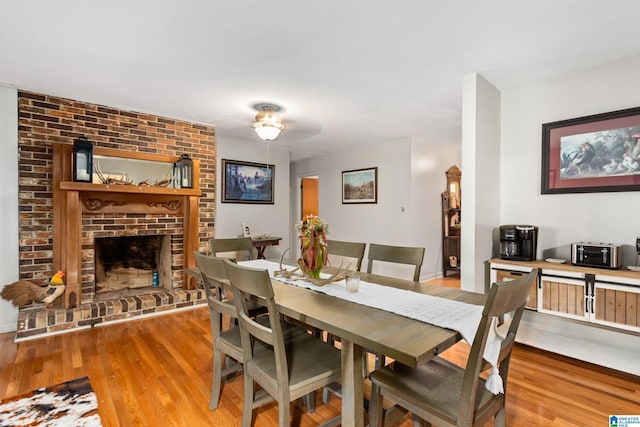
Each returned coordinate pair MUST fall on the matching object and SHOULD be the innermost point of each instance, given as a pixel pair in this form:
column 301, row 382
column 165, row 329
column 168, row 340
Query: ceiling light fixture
column 267, row 125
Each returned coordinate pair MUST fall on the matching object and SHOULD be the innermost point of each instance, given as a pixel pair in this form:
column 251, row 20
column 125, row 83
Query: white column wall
column 9, row 264
column 430, row 161
column 480, row 179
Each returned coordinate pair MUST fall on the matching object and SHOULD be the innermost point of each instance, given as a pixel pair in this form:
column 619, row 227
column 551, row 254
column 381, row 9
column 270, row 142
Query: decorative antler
column 284, row 272
column 165, row 180
column 303, row 275
column 107, row 180
column 99, row 173
column 336, row 277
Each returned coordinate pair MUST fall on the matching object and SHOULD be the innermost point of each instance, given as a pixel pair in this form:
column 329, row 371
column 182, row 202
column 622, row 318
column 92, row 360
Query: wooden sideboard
column 596, row 295
column 590, row 314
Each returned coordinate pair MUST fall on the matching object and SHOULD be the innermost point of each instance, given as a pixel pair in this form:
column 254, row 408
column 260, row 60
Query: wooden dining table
column 359, row 327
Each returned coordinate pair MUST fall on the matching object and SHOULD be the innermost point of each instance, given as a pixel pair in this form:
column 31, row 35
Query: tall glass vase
column 314, row 253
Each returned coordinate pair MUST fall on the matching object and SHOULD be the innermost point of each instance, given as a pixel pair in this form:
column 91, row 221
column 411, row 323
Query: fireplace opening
column 131, row 265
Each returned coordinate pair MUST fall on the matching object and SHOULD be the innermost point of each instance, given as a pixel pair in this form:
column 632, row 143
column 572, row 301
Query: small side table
column 261, row 244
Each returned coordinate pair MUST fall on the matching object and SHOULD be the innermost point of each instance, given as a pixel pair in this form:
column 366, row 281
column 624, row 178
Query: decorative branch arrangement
column 123, row 180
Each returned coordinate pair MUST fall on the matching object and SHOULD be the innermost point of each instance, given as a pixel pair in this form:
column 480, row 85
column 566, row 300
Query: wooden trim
column 136, row 155
column 191, row 219
column 131, row 189
column 72, row 253
column 72, row 199
column 546, row 266
column 59, row 200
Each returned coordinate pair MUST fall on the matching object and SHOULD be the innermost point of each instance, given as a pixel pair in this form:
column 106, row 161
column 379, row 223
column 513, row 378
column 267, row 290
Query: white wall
column 411, row 176
column 480, row 179
column 9, row 264
column 430, row 162
column 565, row 218
column 264, row 219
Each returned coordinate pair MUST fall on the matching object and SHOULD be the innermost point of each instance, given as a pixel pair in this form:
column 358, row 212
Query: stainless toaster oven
column 601, row 255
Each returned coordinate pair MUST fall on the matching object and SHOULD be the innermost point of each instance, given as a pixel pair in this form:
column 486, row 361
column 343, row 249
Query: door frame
column 297, row 211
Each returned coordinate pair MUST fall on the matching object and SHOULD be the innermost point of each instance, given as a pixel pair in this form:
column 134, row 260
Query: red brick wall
column 44, row 120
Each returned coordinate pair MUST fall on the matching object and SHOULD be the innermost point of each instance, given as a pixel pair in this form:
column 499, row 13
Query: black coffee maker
column 518, row 242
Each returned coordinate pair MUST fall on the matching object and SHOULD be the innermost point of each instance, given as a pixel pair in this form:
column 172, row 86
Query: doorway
column 309, row 187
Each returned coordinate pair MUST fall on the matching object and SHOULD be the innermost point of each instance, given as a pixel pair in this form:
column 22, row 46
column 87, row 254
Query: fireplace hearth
column 39, row 321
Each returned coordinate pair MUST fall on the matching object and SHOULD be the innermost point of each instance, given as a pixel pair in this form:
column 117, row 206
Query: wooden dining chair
column 396, row 254
column 242, row 246
column 227, row 342
column 286, row 371
column 214, row 279
column 353, row 250
column 239, row 245
column 393, row 254
column 446, row 394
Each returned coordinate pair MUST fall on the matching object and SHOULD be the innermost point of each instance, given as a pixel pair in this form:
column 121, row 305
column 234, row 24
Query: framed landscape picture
column 246, row 182
column 360, row 186
column 592, row 154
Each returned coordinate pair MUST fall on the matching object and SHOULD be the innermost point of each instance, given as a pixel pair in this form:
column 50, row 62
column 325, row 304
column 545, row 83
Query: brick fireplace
column 46, row 122
column 84, row 212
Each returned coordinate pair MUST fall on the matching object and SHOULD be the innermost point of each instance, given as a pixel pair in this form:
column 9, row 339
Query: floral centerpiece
column 312, row 232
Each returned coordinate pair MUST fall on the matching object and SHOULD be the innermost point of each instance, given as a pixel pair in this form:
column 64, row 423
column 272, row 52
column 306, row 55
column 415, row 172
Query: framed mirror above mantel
column 140, row 191
column 144, row 172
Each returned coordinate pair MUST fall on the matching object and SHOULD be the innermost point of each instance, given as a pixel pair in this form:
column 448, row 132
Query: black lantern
column 184, row 172
column 82, row 160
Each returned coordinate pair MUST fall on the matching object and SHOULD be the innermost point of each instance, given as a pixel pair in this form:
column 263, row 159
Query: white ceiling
column 345, row 72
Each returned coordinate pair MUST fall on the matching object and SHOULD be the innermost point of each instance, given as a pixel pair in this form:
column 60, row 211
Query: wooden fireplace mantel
column 73, row 199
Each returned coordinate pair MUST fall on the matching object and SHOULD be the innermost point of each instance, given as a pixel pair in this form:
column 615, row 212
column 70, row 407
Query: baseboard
column 8, row 327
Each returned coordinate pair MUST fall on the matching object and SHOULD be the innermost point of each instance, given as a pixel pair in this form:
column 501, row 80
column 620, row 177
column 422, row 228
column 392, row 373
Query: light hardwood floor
column 157, row 372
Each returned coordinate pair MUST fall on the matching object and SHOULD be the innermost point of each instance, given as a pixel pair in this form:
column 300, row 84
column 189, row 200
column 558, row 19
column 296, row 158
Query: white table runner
column 459, row 316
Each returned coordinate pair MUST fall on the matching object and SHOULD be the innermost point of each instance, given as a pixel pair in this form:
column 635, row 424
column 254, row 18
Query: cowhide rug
column 73, row 403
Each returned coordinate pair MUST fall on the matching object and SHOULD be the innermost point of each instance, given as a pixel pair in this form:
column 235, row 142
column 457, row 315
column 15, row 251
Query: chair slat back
column 397, row 254
column 255, row 284
column 236, row 244
column 214, row 280
column 506, row 299
column 347, row 249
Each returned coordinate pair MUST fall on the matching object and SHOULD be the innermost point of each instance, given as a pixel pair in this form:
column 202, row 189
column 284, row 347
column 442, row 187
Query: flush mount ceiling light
column 267, row 125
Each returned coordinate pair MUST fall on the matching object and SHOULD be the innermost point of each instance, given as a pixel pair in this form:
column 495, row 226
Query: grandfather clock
column 451, row 222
